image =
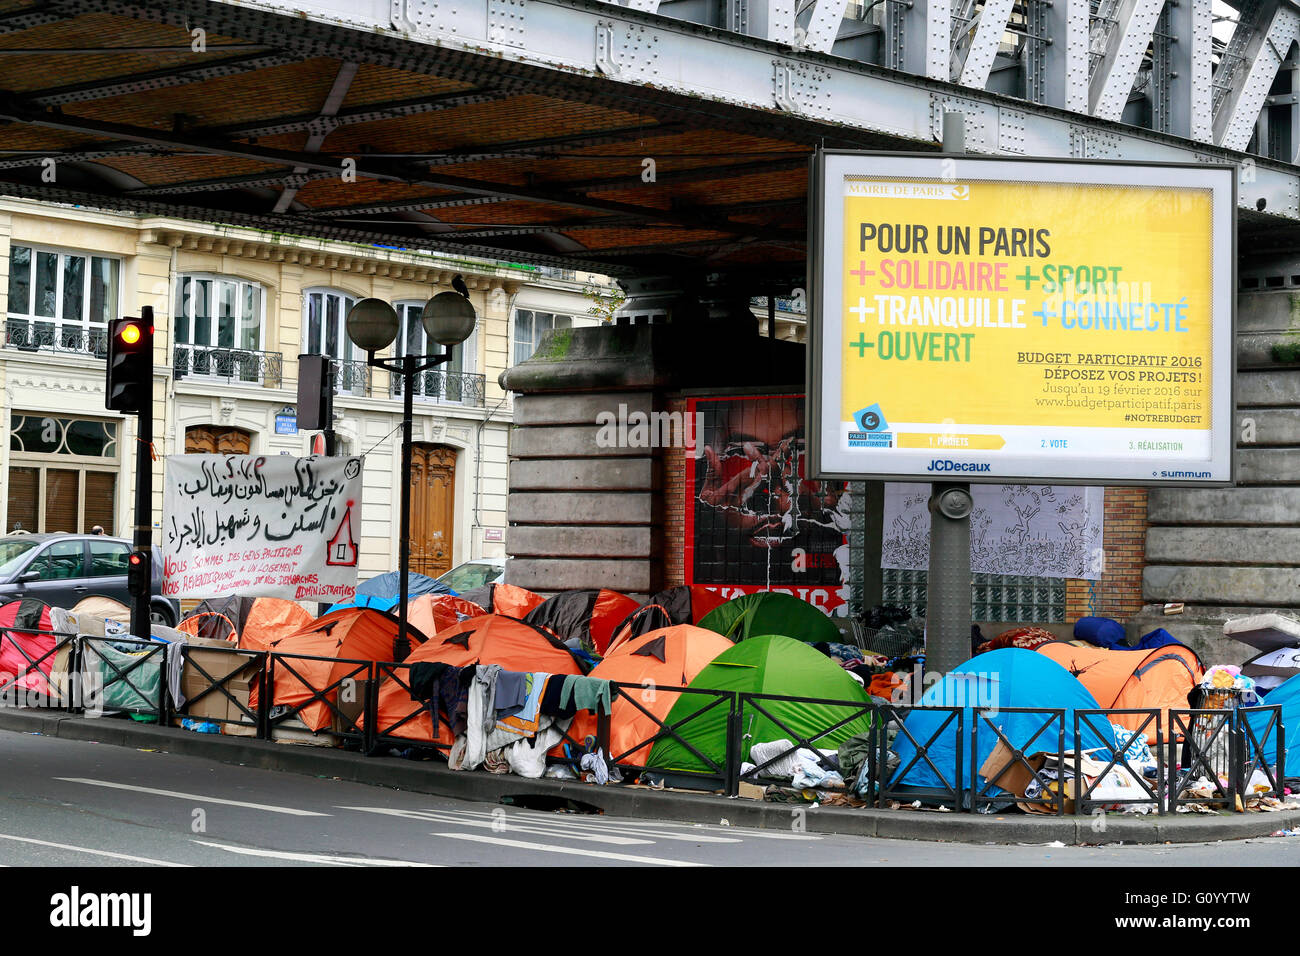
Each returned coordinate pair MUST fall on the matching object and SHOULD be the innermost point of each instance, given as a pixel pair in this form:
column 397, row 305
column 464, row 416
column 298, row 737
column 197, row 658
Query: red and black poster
column 754, row 522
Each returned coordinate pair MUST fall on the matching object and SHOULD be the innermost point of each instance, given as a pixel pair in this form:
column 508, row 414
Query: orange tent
column 684, row 604
column 1123, row 680
column 348, row 634
column 591, row 615
column 432, row 613
column 270, row 619
column 487, row 639
column 666, row 658
column 513, row 601
column 210, row 626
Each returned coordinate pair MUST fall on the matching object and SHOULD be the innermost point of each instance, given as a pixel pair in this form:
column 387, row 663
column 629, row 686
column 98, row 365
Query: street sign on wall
column 995, row 320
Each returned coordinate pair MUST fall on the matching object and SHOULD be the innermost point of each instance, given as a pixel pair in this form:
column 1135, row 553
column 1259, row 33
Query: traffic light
column 138, row 577
column 129, row 384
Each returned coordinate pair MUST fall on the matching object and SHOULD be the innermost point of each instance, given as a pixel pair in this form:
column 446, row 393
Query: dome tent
column 997, row 681
column 771, row 612
column 770, row 664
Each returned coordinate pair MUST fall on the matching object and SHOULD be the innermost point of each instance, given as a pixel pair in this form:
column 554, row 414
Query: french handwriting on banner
column 261, row 526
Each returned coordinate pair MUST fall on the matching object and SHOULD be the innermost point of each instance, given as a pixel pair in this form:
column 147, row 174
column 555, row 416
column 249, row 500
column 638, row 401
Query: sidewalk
column 433, row 777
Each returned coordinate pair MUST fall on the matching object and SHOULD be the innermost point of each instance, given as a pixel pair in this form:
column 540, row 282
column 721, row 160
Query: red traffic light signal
column 138, row 577
column 129, row 376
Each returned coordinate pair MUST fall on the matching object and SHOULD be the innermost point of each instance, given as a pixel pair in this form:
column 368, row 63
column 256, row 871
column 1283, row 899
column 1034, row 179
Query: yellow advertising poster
column 1025, row 327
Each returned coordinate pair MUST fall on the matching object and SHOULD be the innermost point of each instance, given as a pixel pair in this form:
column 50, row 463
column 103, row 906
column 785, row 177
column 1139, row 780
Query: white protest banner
column 261, row 526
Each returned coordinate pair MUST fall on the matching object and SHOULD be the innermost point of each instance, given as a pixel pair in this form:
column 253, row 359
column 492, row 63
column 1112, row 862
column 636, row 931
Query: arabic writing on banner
column 259, row 526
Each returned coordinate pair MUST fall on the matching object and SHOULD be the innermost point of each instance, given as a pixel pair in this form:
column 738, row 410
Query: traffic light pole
column 143, row 584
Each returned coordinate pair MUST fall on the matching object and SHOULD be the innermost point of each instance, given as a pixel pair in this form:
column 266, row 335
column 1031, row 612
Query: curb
column 676, row 806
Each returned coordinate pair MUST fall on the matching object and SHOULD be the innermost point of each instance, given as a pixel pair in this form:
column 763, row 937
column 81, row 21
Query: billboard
column 754, row 520
column 999, row 320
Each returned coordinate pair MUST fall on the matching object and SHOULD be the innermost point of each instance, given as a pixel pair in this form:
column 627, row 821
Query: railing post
column 732, row 756
column 264, row 685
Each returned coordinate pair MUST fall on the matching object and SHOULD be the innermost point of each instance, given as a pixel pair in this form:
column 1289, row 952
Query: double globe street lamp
column 372, row 325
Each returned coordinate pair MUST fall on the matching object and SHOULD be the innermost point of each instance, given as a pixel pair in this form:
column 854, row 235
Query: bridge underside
column 312, row 127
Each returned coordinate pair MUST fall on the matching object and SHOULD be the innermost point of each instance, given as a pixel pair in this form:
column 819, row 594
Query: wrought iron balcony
column 438, row 385
column 38, row 336
column 351, row 378
column 233, row 365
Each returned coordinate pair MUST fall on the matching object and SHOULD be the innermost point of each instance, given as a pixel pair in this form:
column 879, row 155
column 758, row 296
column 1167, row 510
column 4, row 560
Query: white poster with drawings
column 261, row 526
column 1050, row 531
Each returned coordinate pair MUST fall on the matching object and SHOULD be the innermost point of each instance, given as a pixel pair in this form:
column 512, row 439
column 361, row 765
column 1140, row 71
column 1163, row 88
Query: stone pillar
column 591, row 424
column 1236, row 551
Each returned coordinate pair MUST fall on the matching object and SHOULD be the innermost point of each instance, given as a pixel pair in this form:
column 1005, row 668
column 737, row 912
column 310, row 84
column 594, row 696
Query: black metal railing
column 1223, row 758
column 233, row 365
column 439, row 385
column 351, row 378
column 39, row 336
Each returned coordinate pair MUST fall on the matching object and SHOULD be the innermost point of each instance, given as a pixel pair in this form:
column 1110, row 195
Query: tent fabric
column 209, row 626
column 504, row 599
column 33, row 615
column 684, row 604
column 432, row 613
column 486, row 639
column 662, row 659
column 770, row 612
column 382, row 592
column 1286, row 696
column 1122, row 680
column 642, row 621
column 103, row 607
column 268, row 619
column 767, row 664
column 234, row 607
column 1101, row 631
column 1001, row 679
column 348, row 634
column 590, row 616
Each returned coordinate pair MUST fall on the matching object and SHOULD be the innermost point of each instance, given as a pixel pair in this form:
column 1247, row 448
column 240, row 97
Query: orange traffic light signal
column 129, row 376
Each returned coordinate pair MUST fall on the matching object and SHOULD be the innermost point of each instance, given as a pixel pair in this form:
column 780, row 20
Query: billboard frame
column 1223, row 294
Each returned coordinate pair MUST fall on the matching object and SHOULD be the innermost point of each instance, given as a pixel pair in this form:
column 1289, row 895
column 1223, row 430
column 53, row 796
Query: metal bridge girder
column 983, row 47
column 1126, row 44
column 1265, row 54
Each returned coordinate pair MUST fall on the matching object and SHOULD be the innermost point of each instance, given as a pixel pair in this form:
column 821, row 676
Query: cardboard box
column 1016, row 777
column 752, row 791
column 216, row 659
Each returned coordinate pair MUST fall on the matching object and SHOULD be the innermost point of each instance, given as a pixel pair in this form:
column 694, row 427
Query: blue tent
column 1287, row 696
column 1008, row 678
column 381, row 594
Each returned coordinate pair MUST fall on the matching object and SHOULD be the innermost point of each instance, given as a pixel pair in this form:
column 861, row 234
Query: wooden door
column 214, row 440
column 433, row 508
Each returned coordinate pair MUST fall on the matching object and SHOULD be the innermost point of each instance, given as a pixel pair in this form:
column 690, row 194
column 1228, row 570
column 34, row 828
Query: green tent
column 761, row 665
column 770, row 612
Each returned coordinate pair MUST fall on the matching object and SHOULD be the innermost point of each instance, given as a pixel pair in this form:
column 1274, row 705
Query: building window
column 324, row 332
column 218, row 327
column 62, row 473
column 447, row 382
column 60, row 301
column 994, row 597
column 530, row 326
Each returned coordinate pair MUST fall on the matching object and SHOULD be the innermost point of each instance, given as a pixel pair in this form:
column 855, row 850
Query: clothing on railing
column 441, row 686
column 586, row 693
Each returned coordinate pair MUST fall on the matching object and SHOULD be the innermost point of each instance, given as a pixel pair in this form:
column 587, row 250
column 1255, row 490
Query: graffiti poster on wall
column 259, row 526
column 753, row 521
column 1049, row 531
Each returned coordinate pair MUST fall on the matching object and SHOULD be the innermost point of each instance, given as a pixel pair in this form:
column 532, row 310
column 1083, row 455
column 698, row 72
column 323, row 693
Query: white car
column 474, row 574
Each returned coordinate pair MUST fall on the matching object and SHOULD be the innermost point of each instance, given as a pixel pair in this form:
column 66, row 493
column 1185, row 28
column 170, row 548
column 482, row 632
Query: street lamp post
column 372, row 324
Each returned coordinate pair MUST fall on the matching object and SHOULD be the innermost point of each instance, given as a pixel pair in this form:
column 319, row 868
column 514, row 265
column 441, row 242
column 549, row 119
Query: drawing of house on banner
column 343, row 546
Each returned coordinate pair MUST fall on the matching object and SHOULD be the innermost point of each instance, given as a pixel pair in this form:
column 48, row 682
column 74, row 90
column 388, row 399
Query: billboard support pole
column 948, row 591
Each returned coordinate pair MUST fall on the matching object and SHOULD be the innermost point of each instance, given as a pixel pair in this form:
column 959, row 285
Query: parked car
column 474, row 574
column 65, row 569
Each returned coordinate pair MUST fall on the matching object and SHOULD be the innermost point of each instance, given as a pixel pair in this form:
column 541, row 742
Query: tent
column 769, row 664
column 504, row 599
column 1124, row 680
column 487, row 639
column 1270, row 669
column 770, row 612
column 103, row 607
column 381, row 591
column 432, row 613
column 1287, row 696
column 667, row 658
column 350, row 634
column 1002, row 679
column 684, row 604
column 590, row 616
column 268, row 619
column 16, row 648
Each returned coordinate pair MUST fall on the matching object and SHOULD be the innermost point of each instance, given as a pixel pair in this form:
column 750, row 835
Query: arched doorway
column 433, row 508
column 216, row 440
